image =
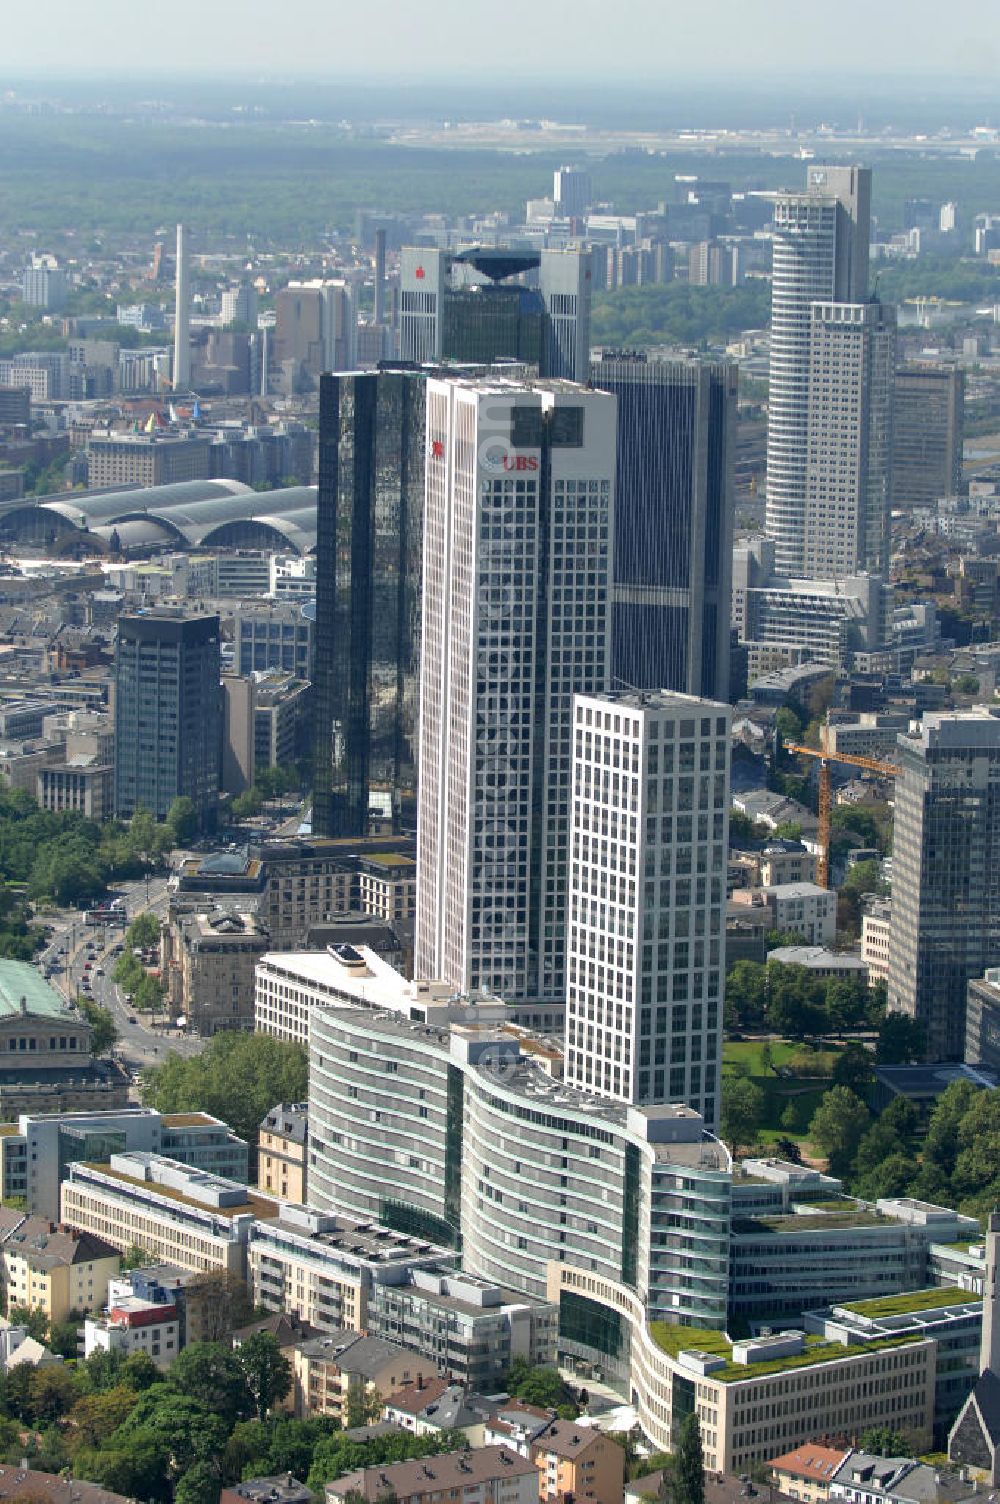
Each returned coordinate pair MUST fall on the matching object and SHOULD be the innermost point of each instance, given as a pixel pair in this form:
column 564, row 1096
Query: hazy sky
column 515, row 38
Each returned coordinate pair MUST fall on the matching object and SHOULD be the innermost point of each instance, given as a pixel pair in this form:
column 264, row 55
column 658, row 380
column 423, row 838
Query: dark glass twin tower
column 672, row 563
column 368, row 572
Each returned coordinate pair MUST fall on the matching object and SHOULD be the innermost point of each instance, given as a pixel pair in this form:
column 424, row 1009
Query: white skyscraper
column 182, row 317
column 852, row 362
column 820, row 255
column 517, row 558
column 645, row 949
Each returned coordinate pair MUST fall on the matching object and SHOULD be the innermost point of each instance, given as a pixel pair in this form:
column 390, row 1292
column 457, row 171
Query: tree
column 542, row 1385
column 876, row 1145
column 64, row 1336
column 883, row 1441
column 901, row 1040
column 267, row 1372
column 238, row 1077
column 941, row 1144
column 787, row 724
column 95, row 1417
column 845, row 1003
column 246, row 805
column 182, row 820
column 52, row 1392
column 742, row 1111
column 136, row 1258
column 689, row 1468
column 143, row 932
column 199, row 1485
column 854, row 1068
column 789, row 1150
column 103, row 1034
column 210, row 1375
column 34, row 1321
column 139, row 1372
column 742, row 831
column 837, row 1126
column 746, row 994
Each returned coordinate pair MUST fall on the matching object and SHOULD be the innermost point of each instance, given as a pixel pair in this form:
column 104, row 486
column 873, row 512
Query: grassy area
column 677, row 1339
column 745, row 1055
column 913, row 1301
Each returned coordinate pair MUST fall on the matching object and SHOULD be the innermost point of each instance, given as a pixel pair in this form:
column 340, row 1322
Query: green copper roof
column 18, row 979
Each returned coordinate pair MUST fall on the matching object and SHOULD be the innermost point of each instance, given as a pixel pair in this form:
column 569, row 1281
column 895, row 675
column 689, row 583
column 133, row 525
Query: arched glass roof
column 195, row 513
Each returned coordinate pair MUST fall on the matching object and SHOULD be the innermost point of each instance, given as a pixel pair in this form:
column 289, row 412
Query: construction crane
column 826, row 794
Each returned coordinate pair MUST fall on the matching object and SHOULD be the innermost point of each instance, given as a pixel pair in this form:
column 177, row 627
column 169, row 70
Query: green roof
column 911, row 1302
column 20, row 980
column 677, row 1339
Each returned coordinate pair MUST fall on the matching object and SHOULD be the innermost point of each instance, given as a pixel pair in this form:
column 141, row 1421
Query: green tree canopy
column 238, row 1077
column 182, row 821
column 901, row 1039
column 838, row 1125
column 743, row 1105
column 266, row 1372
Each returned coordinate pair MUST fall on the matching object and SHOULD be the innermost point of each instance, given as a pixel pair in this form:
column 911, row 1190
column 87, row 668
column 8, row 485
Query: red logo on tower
column 420, row 274
column 437, row 449
column 520, row 462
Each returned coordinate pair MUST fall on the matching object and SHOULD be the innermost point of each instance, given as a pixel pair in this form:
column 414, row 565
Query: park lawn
column 746, row 1053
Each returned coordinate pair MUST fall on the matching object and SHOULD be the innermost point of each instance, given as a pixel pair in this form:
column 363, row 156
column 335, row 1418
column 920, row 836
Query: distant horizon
column 548, row 40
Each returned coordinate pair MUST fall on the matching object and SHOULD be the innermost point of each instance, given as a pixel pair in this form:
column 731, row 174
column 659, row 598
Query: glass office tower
column 367, row 637
column 673, row 521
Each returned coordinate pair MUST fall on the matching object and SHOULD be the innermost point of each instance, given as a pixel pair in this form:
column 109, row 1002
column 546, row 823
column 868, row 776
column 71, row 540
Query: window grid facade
column 646, row 917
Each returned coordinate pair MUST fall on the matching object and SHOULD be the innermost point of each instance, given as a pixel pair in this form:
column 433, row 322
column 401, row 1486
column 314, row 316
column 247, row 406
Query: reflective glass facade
column 673, row 522
column 367, row 635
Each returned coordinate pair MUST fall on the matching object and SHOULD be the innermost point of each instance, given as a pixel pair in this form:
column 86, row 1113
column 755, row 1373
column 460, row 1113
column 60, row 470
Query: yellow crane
column 870, row 764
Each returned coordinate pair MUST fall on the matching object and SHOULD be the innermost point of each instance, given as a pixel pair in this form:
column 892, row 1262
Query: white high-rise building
column 852, row 362
column 645, row 949
column 182, row 316
column 239, row 305
column 820, row 255
column 517, row 562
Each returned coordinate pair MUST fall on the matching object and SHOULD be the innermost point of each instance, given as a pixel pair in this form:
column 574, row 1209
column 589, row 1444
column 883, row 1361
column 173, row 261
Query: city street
column 74, row 943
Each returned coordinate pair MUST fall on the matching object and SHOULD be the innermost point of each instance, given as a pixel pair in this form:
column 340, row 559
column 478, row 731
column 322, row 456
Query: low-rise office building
column 796, row 909
column 84, row 786
column 322, row 1268
column 820, row 962
column 786, row 1260
column 982, row 1021
column 36, row 1151
column 181, row 1216
column 473, row 1329
column 291, row 987
column 952, row 1318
